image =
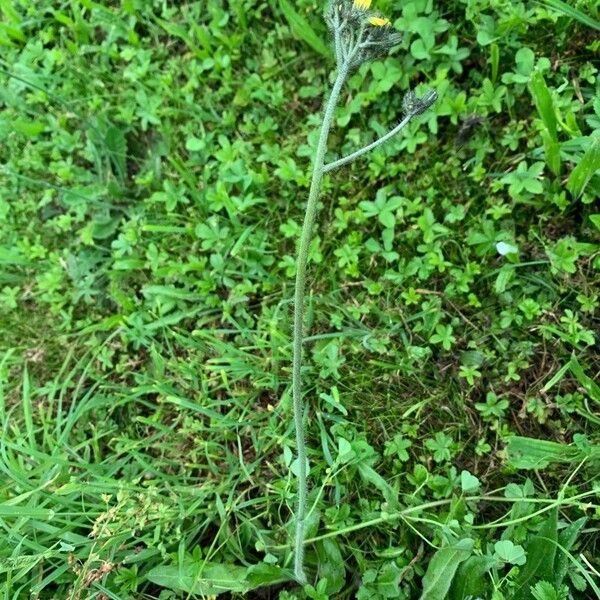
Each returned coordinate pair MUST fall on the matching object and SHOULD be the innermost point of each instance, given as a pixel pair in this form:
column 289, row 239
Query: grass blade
column 27, row 411
column 588, row 384
column 302, row 29
column 588, row 166
column 574, row 13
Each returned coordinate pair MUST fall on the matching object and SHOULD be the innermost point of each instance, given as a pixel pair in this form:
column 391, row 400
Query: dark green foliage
column 153, row 174
column 541, row 551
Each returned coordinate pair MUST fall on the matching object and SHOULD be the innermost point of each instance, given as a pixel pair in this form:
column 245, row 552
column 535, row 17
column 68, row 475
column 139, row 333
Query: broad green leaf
column 505, row 275
column 470, row 580
column 588, row 166
column 12, row 256
column 194, row 144
column 541, row 550
column 345, row 450
column 557, row 377
column 201, row 578
column 28, row 128
column 370, row 476
column 388, row 580
column 7, row 511
column 331, row 565
column 442, row 568
column 495, row 61
column 551, row 153
column 176, row 30
column 531, row 453
column 302, row 29
column 588, row 384
column 103, row 226
column 543, row 103
column 116, row 145
column 566, row 539
column 8, row 8
column 263, row 574
column 13, row 32
column 595, row 219
column 510, row 553
column 543, row 590
column 469, row 483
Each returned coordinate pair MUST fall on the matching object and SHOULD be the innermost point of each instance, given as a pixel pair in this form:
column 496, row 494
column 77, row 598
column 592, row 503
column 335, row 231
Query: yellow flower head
column 362, row 4
column 378, row 21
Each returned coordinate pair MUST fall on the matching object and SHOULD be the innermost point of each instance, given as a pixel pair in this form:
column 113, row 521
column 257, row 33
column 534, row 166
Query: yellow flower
column 378, row 21
column 362, row 4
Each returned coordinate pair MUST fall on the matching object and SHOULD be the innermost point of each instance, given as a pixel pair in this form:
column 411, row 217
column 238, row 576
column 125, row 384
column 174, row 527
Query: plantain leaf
column 566, row 539
column 331, row 565
column 531, row 453
column 116, row 145
column 211, row 578
column 470, row 581
column 201, row 578
column 588, row 384
column 541, row 550
column 371, row 477
column 28, row 127
column 302, row 29
column 442, row 568
column 551, row 153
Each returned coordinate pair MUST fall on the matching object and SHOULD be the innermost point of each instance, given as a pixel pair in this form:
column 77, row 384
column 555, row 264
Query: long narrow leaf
column 543, row 102
column 442, row 568
column 531, row 453
column 574, row 13
column 302, row 29
column 588, row 166
column 541, row 550
column 588, row 384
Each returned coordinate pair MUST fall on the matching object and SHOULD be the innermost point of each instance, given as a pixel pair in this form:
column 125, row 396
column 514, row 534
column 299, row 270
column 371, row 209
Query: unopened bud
column 417, row 106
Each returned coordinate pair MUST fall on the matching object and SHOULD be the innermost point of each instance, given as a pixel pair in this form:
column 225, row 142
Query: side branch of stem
column 384, row 138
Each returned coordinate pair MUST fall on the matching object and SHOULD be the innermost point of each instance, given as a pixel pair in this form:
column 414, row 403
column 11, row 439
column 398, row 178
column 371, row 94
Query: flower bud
column 411, row 105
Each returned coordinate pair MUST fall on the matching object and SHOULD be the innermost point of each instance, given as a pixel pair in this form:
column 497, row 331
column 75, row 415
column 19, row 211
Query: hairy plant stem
column 384, row 138
column 309, row 218
column 406, row 512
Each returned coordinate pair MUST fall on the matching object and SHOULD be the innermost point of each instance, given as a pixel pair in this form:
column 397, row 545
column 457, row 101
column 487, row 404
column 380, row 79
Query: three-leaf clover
column 383, row 208
column 469, row 483
column 441, row 446
column 492, row 407
column 509, row 553
column 524, row 179
column 525, row 64
column 397, row 447
column 443, row 335
column 470, row 373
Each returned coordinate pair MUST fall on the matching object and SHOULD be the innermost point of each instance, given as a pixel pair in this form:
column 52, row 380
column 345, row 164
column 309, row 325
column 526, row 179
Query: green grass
column 153, row 176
